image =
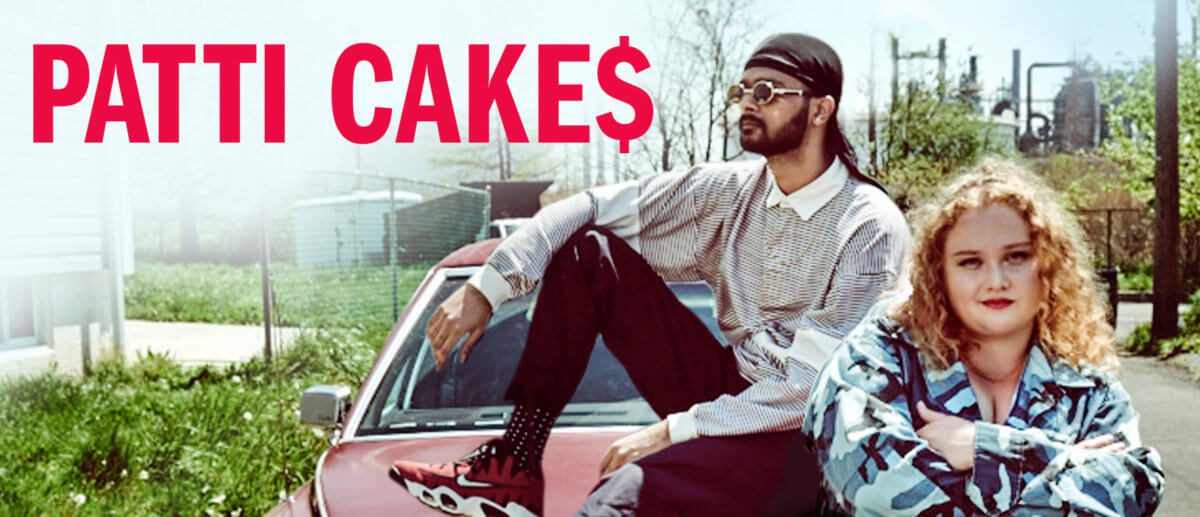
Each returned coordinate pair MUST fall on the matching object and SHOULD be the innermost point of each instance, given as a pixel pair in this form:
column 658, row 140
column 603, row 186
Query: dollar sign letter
column 636, row 98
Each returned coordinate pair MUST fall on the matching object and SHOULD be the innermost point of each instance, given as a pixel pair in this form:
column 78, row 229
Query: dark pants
column 598, row 285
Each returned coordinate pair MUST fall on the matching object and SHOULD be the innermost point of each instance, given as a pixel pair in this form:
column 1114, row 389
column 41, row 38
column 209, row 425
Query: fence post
column 265, row 265
column 1109, row 276
column 1108, row 237
column 394, row 244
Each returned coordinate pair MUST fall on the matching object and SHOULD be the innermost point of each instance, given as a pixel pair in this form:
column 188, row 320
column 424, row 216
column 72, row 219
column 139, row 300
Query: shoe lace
column 481, row 457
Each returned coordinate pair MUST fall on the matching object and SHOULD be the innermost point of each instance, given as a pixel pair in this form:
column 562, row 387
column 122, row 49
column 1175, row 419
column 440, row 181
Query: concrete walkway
column 202, row 343
column 1169, row 403
column 1168, row 399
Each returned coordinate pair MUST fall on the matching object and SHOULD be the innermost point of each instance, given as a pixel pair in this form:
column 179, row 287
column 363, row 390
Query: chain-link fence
column 349, row 252
column 1120, row 238
column 346, row 250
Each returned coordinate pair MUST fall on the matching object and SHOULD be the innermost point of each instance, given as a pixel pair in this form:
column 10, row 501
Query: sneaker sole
column 472, row 506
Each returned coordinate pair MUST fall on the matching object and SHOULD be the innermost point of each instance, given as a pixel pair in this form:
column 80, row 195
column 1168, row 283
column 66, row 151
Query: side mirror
column 324, row 405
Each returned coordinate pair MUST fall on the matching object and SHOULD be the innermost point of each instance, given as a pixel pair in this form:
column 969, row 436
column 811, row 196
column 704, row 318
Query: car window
column 414, row 396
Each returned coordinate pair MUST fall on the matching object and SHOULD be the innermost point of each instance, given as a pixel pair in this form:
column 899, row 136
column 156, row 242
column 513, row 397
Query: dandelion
column 248, row 416
column 78, row 498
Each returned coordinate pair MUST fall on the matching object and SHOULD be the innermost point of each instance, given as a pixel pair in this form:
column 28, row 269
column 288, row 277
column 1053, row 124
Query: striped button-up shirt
column 791, row 274
column 861, row 421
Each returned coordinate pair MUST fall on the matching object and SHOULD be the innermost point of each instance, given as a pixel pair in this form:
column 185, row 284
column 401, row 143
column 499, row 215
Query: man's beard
column 787, row 139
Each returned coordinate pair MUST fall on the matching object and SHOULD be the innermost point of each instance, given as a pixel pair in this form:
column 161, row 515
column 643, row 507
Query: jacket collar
column 1043, row 384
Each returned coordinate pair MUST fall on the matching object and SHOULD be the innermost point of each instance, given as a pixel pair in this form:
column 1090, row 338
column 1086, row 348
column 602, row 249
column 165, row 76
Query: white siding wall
column 53, row 217
column 61, row 204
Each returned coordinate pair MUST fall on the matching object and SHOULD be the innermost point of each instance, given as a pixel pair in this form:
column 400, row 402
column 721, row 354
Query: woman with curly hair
column 991, row 387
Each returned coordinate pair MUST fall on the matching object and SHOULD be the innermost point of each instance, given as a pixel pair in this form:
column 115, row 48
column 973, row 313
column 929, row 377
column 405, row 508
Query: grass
column 155, row 438
column 208, row 293
column 312, row 298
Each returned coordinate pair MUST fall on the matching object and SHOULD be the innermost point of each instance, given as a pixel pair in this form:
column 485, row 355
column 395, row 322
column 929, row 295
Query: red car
column 407, row 409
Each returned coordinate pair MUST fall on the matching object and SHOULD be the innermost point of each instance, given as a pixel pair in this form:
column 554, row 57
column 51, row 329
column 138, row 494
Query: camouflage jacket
column 861, row 420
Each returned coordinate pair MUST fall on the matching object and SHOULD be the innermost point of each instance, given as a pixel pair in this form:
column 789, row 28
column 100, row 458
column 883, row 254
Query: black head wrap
column 815, row 64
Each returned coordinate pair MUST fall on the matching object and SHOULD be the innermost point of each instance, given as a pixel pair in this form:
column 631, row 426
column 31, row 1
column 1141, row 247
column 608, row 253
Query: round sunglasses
column 762, row 92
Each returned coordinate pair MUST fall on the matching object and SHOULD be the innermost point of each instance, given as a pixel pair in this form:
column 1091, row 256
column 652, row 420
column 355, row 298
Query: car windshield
column 414, row 397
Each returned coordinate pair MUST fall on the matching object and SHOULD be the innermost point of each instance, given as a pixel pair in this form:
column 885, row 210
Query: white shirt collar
column 810, row 198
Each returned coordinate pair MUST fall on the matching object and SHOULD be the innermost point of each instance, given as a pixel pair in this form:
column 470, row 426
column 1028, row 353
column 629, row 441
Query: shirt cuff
column 995, row 445
column 681, row 426
column 811, row 347
column 493, row 286
column 999, row 456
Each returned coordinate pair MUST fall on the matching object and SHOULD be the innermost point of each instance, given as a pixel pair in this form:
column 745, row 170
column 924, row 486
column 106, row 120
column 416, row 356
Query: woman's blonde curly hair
column 1071, row 321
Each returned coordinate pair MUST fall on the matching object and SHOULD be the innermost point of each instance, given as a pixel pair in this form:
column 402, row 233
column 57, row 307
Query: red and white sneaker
column 485, row 483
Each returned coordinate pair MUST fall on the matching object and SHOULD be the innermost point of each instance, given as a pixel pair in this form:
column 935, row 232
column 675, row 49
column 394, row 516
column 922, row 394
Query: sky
column 1111, row 32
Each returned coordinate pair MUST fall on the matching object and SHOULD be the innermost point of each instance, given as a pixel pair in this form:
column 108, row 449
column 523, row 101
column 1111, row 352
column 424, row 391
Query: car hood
column 354, row 479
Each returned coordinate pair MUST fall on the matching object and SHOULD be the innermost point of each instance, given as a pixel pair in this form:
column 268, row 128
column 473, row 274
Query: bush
column 1139, row 342
column 1185, row 344
column 1139, row 281
column 156, row 438
column 1188, row 340
column 1191, row 318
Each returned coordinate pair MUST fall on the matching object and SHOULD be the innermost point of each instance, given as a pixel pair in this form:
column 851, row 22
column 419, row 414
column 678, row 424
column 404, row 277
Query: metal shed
column 348, row 230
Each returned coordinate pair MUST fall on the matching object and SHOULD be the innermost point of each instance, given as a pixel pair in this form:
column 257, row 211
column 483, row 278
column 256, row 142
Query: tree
column 496, row 161
column 1129, row 92
column 705, row 47
column 928, row 135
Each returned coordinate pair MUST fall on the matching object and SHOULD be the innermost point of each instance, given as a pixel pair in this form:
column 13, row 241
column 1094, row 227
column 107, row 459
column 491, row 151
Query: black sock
column 527, row 431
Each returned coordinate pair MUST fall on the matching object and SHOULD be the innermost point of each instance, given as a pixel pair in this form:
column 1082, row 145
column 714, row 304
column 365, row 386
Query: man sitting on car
column 796, row 248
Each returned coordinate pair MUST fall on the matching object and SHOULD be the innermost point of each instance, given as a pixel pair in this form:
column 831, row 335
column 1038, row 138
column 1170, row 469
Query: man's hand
column 466, row 311
column 950, row 436
column 645, row 442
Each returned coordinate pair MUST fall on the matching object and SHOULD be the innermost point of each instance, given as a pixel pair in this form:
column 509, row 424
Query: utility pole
column 1166, row 175
column 1016, row 94
column 919, row 54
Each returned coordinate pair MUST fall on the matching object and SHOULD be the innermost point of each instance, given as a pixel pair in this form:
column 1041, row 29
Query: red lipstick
column 997, row 303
